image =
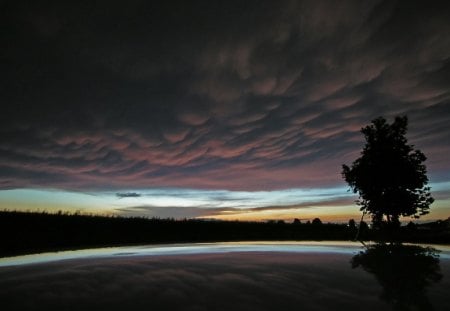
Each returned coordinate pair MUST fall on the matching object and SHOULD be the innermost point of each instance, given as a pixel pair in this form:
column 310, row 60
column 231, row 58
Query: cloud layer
column 257, row 95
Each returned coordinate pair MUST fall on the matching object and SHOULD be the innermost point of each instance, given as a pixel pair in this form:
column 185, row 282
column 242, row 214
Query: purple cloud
column 147, row 96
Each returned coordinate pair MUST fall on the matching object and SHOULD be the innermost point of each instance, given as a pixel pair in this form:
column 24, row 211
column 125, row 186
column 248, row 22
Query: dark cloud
column 253, row 95
column 128, row 195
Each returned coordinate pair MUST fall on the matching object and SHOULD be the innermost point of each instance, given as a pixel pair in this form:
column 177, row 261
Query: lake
column 230, row 276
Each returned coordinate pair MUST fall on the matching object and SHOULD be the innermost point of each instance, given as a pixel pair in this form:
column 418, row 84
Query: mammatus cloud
column 256, row 96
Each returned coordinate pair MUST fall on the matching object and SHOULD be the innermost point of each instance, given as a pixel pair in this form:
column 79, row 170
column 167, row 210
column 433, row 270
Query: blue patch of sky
column 233, row 199
column 174, row 197
column 166, row 197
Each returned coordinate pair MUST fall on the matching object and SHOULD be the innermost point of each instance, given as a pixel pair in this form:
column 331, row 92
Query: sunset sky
column 214, row 109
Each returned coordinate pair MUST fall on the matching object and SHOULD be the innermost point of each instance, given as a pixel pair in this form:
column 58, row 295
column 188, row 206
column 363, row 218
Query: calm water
column 230, row 276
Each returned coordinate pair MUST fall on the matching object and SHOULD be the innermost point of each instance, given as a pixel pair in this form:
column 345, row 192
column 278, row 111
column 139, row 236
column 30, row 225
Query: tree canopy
column 389, row 176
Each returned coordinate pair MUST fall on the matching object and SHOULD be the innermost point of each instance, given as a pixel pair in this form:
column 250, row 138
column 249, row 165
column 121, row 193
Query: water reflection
column 404, row 272
column 257, row 276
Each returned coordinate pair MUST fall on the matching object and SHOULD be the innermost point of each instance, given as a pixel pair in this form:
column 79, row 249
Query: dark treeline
column 33, row 232
column 437, row 232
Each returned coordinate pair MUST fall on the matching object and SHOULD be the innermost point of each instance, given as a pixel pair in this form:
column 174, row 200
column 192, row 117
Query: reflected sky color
column 186, row 249
column 258, row 276
column 328, row 247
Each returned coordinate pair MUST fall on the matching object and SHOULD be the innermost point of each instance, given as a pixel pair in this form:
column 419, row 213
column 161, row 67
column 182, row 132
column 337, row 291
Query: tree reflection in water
column 404, row 272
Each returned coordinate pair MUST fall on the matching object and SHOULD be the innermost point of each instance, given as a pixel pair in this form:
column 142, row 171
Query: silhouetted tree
column 390, row 176
column 316, row 222
column 297, row 221
column 363, row 226
column 363, row 231
column 352, row 229
column 352, row 224
column 411, row 226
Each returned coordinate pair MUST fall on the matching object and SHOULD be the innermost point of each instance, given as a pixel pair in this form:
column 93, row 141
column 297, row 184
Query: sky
column 214, row 109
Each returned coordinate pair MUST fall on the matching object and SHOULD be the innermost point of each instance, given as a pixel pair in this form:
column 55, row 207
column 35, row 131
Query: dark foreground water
column 230, row 276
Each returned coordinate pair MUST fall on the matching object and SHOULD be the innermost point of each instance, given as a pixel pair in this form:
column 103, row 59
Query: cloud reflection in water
column 236, row 280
